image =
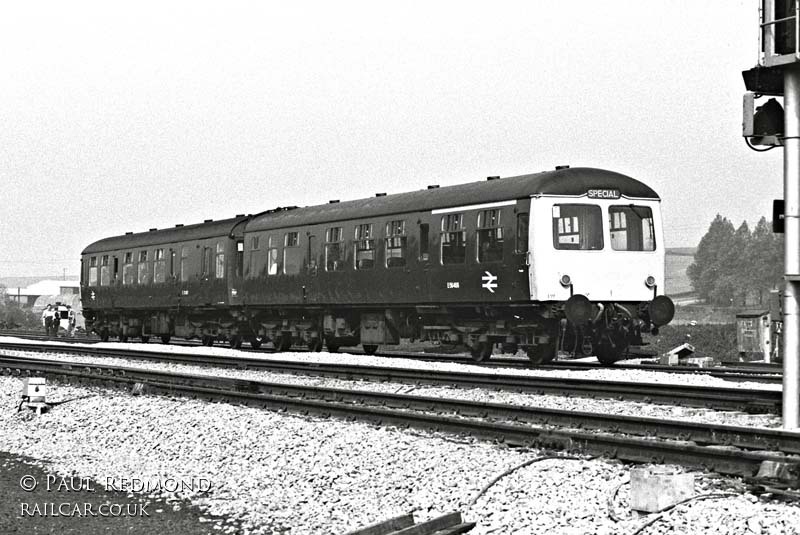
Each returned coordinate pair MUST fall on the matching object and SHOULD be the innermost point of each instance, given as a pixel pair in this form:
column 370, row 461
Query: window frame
column 558, row 226
column 495, row 228
column 395, row 239
column 364, row 244
column 445, row 232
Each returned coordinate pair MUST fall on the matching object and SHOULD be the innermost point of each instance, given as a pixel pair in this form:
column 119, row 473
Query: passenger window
column 105, row 272
column 172, row 255
column 273, row 258
column 454, row 239
column 490, row 236
column 364, row 247
column 239, row 258
column 128, row 274
column 522, row 233
column 144, row 271
column 292, row 255
column 184, row 264
column 206, row 266
column 160, row 267
column 334, row 249
column 93, row 271
column 219, row 266
column 395, row 243
column 577, row 227
column 632, row 228
column 424, row 242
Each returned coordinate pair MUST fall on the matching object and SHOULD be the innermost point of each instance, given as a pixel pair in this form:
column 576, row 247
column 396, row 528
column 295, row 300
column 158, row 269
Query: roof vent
column 380, row 195
column 492, row 178
column 560, row 167
column 333, row 201
column 207, row 220
column 433, row 186
column 239, row 215
column 153, row 229
column 179, row 225
column 128, row 233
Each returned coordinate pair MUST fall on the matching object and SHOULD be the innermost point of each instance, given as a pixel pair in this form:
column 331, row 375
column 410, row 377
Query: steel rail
column 718, row 398
column 724, row 449
column 738, row 372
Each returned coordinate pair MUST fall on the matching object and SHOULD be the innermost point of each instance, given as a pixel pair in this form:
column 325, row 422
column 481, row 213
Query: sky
column 124, row 116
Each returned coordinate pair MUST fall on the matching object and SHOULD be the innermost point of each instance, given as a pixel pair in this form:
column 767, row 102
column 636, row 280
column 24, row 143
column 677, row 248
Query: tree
column 712, row 252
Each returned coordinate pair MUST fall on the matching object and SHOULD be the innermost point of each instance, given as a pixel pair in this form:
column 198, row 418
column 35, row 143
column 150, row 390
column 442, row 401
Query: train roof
column 199, row 231
column 574, row 181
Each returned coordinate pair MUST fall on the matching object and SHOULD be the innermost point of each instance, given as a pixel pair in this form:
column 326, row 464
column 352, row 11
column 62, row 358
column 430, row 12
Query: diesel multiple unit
column 567, row 261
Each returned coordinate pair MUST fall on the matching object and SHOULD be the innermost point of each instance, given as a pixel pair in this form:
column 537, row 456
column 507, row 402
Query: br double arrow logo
column 489, row 281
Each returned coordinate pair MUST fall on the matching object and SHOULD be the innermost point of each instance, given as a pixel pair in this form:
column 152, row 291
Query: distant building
column 59, row 289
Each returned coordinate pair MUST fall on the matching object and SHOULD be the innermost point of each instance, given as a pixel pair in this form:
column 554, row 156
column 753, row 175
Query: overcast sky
column 120, row 117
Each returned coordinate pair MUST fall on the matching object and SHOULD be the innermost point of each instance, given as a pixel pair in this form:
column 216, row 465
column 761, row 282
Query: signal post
column 778, row 74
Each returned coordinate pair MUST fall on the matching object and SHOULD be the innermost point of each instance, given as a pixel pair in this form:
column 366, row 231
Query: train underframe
column 544, row 331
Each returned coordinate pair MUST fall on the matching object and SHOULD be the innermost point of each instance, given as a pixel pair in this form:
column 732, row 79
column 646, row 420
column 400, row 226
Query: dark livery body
column 468, row 264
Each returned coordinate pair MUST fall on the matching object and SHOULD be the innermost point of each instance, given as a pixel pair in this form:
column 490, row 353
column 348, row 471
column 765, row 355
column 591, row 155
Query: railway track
column 736, row 372
column 723, row 449
column 718, row 398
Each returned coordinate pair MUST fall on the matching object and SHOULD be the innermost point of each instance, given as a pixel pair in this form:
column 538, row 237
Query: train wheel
column 104, row 335
column 608, row 354
column 207, row 340
column 541, row 353
column 235, row 342
column 123, row 338
column 332, row 348
column 315, row 345
column 165, row 338
column 255, row 342
column 482, row 351
column 370, row 349
column 145, row 339
column 286, row 343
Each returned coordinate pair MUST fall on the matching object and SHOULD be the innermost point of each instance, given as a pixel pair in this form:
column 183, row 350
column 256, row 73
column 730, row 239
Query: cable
column 747, row 140
column 662, row 512
column 523, row 465
column 613, row 495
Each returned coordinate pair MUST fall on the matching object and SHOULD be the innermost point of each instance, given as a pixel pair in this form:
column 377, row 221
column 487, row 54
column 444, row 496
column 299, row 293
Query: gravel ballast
column 274, row 473
column 601, row 405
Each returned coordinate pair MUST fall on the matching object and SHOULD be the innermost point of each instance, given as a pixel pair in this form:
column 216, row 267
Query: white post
column 791, row 303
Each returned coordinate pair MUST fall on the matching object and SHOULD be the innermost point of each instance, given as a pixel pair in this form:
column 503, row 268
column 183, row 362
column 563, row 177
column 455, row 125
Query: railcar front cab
column 598, row 259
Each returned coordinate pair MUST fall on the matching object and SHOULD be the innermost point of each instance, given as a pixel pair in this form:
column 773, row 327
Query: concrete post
column 791, row 303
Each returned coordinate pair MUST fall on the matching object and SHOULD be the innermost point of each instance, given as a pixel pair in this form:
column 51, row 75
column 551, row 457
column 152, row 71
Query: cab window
column 273, row 256
column 631, row 228
column 577, row 227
